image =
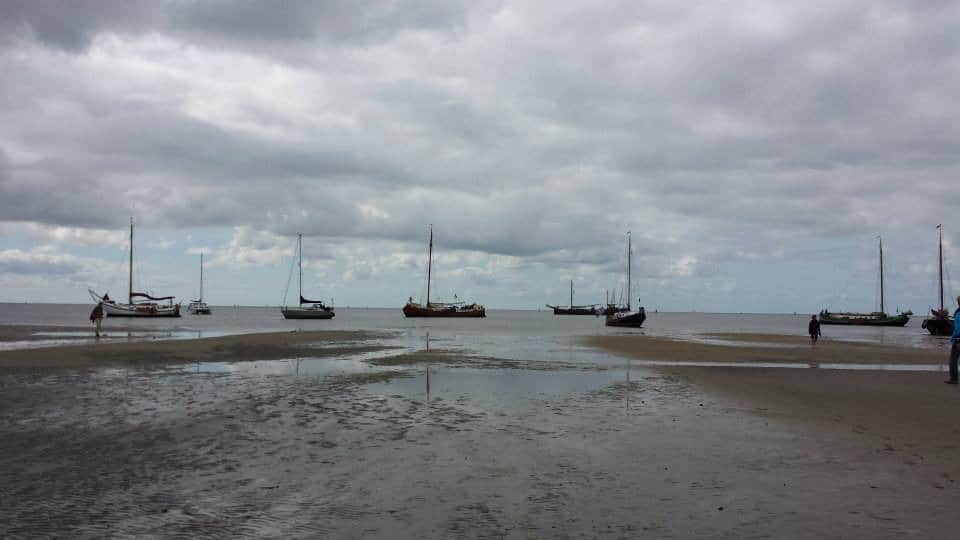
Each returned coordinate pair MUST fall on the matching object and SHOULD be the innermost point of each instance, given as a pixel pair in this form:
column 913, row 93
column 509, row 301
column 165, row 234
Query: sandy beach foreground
column 447, row 444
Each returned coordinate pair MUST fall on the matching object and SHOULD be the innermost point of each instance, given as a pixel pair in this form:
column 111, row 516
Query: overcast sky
column 755, row 149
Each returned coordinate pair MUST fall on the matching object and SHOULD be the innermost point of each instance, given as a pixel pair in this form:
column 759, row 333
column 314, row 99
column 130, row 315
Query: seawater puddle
column 347, row 364
column 497, row 387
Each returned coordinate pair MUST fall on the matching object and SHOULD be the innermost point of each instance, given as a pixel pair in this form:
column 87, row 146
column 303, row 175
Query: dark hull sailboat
column 940, row 323
column 413, row 309
column 864, row 319
column 440, row 309
column 876, row 318
column 631, row 319
column 575, row 310
column 306, row 309
column 624, row 316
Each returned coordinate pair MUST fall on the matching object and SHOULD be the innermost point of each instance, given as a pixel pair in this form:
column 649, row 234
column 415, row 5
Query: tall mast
column 130, row 276
column 300, row 265
column 571, row 293
column 881, row 276
column 940, row 228
column 201, row 277
column 429, row 264
column 629, row 262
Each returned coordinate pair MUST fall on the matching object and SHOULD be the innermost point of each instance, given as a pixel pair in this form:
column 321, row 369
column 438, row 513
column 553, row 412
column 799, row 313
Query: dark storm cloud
column 72, row 26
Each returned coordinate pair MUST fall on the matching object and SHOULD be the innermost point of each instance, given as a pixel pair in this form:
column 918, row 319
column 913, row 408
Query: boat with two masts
column 589, row 309
column 440, row 309
column 940, row 323
column 876, row 318
column 198, row 306
column 624, row 315
column 306, row 309
column 138, row 304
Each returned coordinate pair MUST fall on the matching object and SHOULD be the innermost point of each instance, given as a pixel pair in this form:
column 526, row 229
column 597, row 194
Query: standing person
column 814, row 329
column 96, row 316
column 954, row 345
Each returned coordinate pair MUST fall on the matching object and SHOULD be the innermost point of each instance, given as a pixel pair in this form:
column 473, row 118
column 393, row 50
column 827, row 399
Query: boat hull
column 574, row 311
column 411, row 310
column 864, row 320
column 198, row 308
column 140, row 310
column 938, row 327
column 628, row 319
column 306, row 313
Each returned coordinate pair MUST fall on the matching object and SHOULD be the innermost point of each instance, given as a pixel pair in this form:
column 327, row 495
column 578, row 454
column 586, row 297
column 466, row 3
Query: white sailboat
column 314, row 309
column 147, row 307
column 198, row 306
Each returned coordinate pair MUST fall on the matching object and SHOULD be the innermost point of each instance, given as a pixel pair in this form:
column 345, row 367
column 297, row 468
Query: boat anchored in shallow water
column 440, row 309
column 940, row 323
column 307, row 309
column 590, row 309
column 198, row 306
column 148, row 306
column 624, row 316
column 876, row 318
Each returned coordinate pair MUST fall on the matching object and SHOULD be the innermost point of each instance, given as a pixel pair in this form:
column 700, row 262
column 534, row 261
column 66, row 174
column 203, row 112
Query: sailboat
column 876, row 318
column 440, row 309
column 198, row 306
column 627, row 317
column 589, row 309
column 315, row 309
column 144, row 308
column 940, row 323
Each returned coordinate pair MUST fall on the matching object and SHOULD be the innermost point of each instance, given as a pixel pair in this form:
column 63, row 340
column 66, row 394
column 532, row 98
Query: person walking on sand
column 814, row 329
column 96, row 317
column 954, row 345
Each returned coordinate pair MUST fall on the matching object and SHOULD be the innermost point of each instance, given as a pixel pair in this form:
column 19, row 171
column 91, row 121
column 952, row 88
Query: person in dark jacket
column 96, row 317
column 814, row 329
column 954, row 345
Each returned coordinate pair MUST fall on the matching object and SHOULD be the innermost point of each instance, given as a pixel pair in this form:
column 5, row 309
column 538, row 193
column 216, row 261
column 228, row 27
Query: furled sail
column 148, row 297
column 305, row 301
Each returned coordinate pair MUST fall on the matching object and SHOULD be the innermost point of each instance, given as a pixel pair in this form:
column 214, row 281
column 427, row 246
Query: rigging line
column 289, row 279
column 104, row 286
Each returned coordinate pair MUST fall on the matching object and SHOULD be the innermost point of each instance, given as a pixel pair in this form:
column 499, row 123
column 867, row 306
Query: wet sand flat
column 479, row 448
column 235, row 348
column 760, row 348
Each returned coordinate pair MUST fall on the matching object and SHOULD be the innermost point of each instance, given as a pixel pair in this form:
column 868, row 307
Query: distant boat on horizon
column 198, row 306
column 940, row 323
column 876, row 318
column 315, row 309
column 627, row 317
column 587, row 309
column 147, row 308
column 440, row 309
